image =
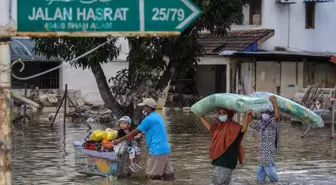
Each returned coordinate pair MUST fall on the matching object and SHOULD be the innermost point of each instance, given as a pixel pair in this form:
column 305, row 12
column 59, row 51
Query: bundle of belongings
column 100, row 140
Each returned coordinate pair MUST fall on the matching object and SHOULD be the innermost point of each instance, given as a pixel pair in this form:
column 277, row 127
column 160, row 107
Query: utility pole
column 5, row 113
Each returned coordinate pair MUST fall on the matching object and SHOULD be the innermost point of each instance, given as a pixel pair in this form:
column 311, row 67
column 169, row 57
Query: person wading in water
column 226, row 148
column 268, row 126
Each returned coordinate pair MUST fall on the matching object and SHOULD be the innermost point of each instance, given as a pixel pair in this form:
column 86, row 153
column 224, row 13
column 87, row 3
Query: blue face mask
column 222, row 118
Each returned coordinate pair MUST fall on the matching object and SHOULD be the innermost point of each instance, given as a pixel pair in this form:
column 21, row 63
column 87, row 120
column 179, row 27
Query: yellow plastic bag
column 96, row 135
column 110, row 134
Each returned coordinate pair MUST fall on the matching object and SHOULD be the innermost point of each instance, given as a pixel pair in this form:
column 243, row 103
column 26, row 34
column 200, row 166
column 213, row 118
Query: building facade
column 298, row 53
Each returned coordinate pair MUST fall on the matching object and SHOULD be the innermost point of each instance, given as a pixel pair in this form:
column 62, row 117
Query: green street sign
column 104, row 17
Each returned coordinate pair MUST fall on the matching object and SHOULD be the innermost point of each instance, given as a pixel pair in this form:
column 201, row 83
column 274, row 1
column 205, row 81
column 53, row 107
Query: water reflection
column 45, row 156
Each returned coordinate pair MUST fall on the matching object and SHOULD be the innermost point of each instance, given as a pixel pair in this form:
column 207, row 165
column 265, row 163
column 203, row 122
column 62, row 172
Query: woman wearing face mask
column 268, row 127
column 226, row 148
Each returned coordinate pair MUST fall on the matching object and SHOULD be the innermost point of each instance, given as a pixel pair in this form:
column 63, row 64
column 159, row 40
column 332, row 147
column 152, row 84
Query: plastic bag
column 258, row 102
column 110, row 134
column 293, row 109
column 235, row 102
column 107, row 144
column 96, row 135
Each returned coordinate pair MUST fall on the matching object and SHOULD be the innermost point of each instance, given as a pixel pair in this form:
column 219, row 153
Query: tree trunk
column 166, row 76
column 132, row 110
column 104, row 90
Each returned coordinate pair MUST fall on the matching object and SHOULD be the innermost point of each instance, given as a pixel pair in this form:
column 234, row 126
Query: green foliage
column 183, row 51
column 149, row 70
column 67, row 49
column 133, row 91
column 140, row 79
column 218, row 15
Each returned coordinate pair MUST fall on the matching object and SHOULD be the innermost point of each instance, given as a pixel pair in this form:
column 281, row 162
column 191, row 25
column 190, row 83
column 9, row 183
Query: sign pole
column 5, row 112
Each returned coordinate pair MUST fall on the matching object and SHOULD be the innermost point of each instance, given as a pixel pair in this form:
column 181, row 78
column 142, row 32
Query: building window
column 50, row 80
column 310, row 15
column 255, row 12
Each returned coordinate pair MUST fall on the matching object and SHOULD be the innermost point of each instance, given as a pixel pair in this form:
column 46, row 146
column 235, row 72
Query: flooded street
column 45, row 156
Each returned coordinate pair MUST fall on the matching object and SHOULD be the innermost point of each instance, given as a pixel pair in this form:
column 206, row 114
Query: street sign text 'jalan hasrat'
column 104, row 17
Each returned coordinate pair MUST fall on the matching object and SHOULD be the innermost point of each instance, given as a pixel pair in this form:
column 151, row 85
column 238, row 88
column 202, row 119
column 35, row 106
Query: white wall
column 83, row 80
column 288, row 21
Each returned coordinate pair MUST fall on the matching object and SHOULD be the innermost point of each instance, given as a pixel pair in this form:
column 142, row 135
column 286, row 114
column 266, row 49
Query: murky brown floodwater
column 45, row 156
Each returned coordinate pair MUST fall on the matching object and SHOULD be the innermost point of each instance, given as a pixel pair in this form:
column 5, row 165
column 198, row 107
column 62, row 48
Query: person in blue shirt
column 158, row 164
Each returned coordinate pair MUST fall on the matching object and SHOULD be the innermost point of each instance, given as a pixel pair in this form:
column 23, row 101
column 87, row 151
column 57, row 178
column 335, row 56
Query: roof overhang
column 24, row 49
column 280, row 55
column 318, row 1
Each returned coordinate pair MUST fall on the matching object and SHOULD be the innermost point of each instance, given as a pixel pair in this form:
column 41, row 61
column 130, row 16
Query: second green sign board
column 105, row 15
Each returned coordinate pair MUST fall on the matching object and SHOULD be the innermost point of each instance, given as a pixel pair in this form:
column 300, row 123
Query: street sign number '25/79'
column 105, row 17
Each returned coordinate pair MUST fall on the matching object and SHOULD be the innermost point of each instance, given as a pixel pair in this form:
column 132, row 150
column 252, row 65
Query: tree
column 69, row 48
column 140, row 79
column 182, row 52
column 152, row 61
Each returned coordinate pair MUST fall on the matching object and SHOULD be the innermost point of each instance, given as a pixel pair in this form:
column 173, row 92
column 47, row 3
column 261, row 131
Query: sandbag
column 235, row 102
column 291, row 108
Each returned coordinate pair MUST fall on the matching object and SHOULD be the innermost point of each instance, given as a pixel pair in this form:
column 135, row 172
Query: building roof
column 234, row 41
column 283, row 55
column 23, row 48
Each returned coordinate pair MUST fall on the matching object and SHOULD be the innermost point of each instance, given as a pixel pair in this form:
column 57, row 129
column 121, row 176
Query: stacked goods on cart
column 100, row 140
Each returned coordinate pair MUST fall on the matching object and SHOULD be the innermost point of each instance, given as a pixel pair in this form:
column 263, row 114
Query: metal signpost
column 79, row 18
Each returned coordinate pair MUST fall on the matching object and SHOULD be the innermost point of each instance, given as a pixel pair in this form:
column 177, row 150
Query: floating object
column 166, row 109
column 26, row 100
column 186, row 109
column 177, row 109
